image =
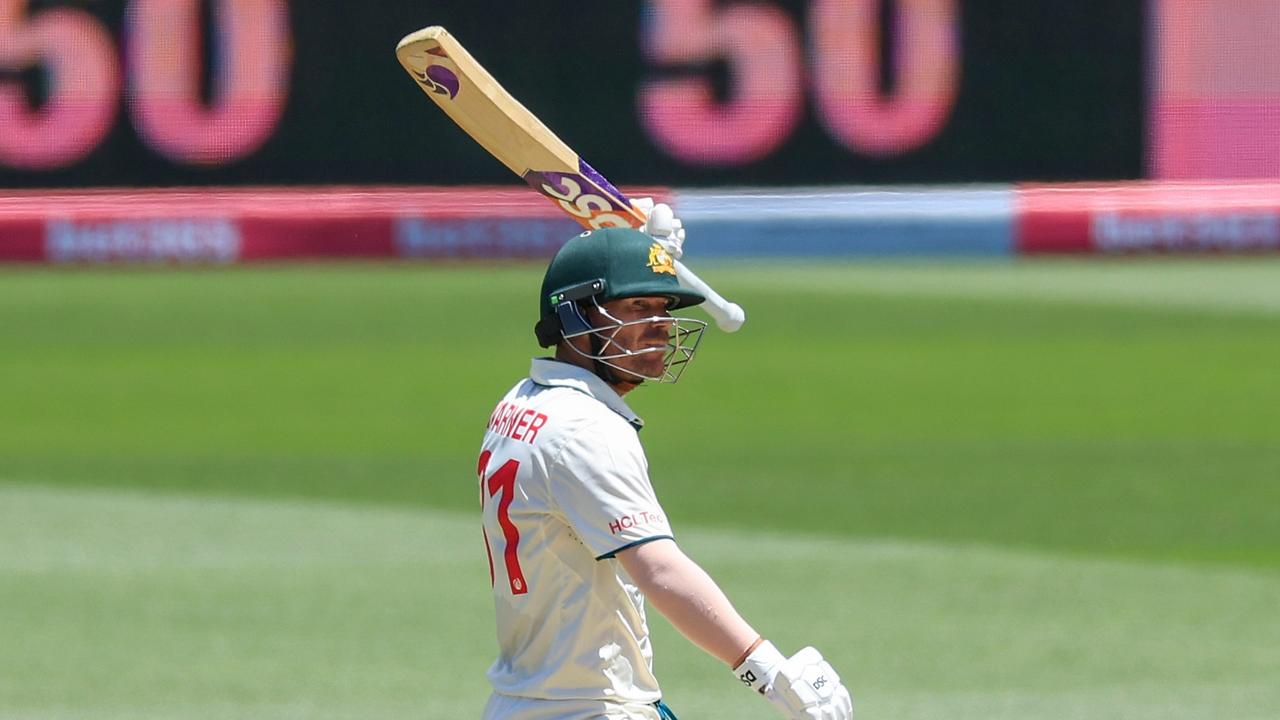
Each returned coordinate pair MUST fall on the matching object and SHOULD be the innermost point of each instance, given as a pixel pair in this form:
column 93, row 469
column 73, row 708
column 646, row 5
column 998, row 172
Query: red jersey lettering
column 626, row 522
column 518, row 423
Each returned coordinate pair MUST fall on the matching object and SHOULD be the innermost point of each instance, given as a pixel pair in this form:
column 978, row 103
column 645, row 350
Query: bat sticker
column 439, row 80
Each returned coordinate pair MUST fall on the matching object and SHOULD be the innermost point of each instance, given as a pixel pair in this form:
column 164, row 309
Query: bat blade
column 469, row 95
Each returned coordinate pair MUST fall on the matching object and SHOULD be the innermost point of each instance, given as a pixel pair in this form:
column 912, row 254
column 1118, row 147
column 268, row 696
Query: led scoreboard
column 714, row 92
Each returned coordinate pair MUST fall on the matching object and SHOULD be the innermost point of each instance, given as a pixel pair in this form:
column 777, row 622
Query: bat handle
column 728, row 316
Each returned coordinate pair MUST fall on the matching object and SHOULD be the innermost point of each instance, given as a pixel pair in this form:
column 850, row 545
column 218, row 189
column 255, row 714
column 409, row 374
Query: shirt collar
column 554, row 373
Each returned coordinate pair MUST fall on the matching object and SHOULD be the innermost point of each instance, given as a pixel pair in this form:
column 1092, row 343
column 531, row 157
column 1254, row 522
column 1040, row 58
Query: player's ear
column 547, row 331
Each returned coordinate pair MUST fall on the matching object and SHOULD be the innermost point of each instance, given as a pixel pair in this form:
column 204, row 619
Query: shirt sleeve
column 601, row 485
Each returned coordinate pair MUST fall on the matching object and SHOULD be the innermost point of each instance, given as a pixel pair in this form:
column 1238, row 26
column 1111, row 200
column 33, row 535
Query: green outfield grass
column 987, row 490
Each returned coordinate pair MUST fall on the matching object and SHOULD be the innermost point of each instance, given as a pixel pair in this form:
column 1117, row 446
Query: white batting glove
column 662, row 224
column 802, row 687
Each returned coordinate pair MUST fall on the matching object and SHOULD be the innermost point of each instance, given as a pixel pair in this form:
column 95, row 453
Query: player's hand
column 662, row 224
column 802, row 687
column 808, row 688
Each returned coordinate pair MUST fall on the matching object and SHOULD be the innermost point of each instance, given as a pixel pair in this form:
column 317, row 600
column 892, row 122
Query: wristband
column 759, row 668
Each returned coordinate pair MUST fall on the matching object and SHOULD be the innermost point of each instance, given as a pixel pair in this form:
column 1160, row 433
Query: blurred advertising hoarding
column 213, row 226
column 699, row 92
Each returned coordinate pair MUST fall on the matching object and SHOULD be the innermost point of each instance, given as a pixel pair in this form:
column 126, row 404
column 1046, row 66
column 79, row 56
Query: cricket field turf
column 1034, row 490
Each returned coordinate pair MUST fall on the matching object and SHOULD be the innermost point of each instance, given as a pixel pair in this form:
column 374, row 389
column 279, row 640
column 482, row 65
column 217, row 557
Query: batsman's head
column 606, row 298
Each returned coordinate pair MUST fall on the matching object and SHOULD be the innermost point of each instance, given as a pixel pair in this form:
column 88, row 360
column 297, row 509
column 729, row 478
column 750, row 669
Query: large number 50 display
column 163, row 41
column 761, row 46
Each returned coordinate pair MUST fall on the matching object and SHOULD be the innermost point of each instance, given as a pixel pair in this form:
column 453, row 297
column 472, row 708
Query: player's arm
column 802, row 687
column 687, row 596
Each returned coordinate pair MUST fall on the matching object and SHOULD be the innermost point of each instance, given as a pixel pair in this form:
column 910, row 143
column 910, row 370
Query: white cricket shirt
column 565, row 486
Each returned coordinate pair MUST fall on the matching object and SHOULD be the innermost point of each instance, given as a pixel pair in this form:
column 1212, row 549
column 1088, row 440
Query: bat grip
column 728, row 316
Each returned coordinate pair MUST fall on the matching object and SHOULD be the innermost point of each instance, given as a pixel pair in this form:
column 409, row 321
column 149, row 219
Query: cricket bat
column 469, row 95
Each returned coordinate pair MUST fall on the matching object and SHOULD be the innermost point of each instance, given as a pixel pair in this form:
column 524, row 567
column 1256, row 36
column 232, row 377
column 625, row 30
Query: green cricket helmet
column 608, row 264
